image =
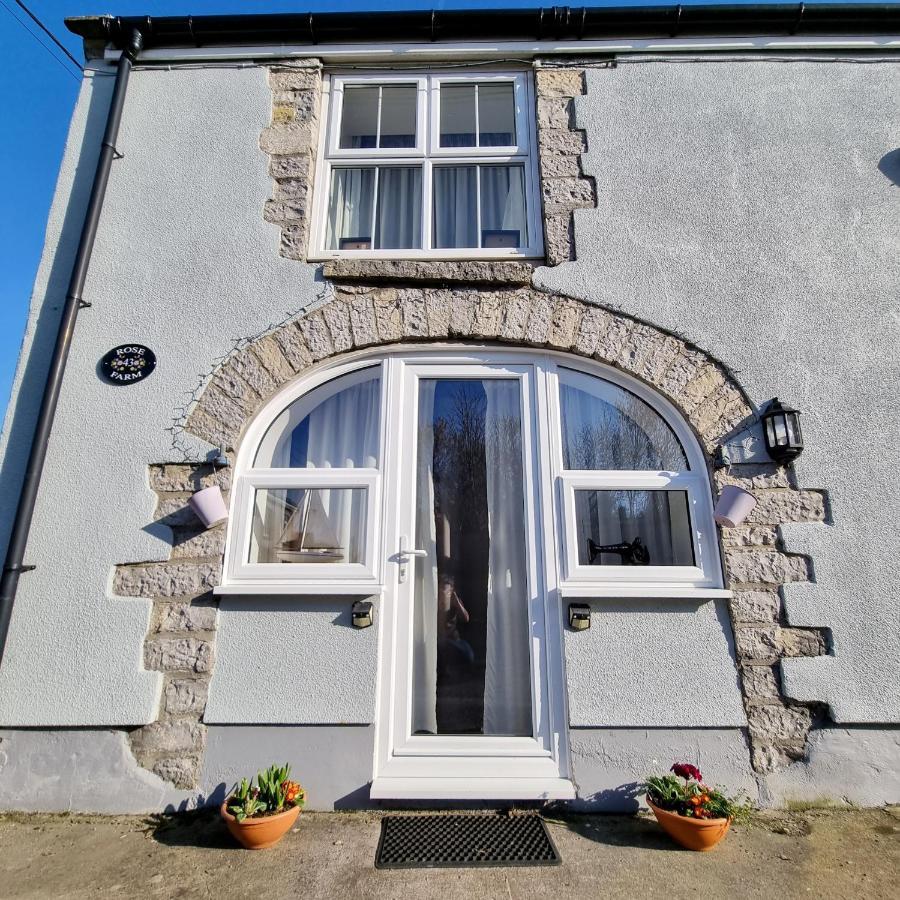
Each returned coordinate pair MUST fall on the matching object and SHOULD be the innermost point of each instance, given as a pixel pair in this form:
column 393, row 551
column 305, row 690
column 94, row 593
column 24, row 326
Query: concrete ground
column 815, row 853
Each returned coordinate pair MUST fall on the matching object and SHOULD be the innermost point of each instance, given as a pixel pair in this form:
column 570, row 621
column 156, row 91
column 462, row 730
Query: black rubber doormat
column 428, row 842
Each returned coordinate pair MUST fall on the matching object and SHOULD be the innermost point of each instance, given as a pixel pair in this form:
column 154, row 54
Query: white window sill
column 320, row 589
column 639, row 592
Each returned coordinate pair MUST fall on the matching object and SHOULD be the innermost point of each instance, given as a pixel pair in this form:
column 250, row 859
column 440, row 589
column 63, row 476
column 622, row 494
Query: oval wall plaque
column 127, row 364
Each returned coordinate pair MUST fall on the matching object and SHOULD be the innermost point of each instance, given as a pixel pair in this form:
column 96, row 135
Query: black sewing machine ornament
column 633, row 553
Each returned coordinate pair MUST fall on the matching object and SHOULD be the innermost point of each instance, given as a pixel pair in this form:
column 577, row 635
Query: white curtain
column 340, row 433
column 507, row 682
column 343, row 434
column 350, row 205
column 455, row 206
column 503, row 200
column 398, row 213
column 398, row 220
column 456, row 203
column 424, row 676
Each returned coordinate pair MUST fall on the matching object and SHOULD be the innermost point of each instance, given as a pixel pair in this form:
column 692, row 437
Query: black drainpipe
column 18, row 541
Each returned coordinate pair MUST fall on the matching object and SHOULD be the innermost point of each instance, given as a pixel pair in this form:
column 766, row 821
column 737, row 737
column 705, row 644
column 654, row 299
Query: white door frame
column 469, row 767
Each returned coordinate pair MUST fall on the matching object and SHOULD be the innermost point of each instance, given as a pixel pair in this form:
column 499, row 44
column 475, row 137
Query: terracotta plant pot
column 266, row 831
column 693, row 834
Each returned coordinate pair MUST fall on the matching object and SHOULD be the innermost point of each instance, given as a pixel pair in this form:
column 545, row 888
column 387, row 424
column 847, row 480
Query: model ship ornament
column 633, row 553
column 308, row 536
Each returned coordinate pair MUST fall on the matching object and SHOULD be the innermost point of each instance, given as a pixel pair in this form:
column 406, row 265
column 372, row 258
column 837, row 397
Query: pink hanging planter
column 209, row 506
column 734, row 505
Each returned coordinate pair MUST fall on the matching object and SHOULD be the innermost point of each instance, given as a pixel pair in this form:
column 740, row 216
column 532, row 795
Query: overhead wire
column 49, row 33
column 37, row 37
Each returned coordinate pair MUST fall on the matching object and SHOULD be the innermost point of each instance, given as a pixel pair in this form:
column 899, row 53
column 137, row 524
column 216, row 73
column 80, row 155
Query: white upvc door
column 471, row 694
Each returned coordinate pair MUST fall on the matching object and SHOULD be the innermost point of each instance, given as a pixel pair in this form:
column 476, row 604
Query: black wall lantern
column 781, row 430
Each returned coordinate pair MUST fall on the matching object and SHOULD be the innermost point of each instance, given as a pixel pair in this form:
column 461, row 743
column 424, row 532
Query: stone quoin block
column 184, row 617
column 167, row 737
column 178, row 655
column 185, row 477
column 559, row 82
column 182, row 772
column 166, row 579
column 184, row 696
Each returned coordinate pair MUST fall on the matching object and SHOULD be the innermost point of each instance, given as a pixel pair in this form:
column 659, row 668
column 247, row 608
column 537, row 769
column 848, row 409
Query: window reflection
column 633, row 527
column 471, row 669
column 608, row 427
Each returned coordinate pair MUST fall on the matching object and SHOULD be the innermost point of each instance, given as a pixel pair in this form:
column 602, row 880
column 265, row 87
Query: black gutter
column 542, row 24
column 18, row 541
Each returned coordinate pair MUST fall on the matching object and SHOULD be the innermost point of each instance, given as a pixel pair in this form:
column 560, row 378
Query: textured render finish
column 859, row 766
column 741, row 204
column 79, row 770
column 609, row 764
column 334, row 764
column 184, row 263
column 637, row 665
column 292, row 660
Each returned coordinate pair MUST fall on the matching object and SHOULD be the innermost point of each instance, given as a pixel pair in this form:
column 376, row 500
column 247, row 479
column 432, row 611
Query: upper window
column 436, row 165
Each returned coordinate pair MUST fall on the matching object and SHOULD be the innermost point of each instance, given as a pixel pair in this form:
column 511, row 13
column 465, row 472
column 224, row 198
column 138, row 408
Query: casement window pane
column 496, row 115
column 633, row 527
column 398, row 116
column 398, row 222
column 359, row 119
column 503, row 222
column 455, row 206
column 611, row 428
column 457, row 115
column 308, row 525
column 339, row 432
column 350, row 209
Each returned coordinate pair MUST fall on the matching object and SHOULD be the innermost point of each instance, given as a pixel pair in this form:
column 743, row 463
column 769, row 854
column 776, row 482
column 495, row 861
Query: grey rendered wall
column 185, row 264
column 753, row 208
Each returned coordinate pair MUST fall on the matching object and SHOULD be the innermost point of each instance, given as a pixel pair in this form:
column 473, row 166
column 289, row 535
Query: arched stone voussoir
column 360, row 317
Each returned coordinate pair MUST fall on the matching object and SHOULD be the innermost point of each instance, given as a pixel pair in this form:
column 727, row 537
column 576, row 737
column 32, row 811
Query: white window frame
column 704, row 578
column 702, row 581
column 243, row 577
column 427, row 154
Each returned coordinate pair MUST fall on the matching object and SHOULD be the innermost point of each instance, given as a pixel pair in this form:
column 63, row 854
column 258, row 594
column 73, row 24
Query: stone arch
column 181, row 638
column 364, row 317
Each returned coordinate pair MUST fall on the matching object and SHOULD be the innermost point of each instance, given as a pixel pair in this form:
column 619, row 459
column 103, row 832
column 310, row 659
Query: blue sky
column 38, row 93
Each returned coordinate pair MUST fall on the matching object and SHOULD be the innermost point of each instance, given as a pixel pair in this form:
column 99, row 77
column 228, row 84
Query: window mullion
column 478, row 204
column 427, row 204
column 378, row 119
column 374, row 208
column 477, row 126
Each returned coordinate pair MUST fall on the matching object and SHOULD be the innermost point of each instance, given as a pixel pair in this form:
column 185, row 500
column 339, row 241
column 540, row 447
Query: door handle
column 403, row 555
